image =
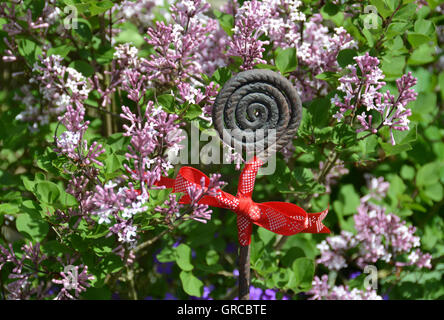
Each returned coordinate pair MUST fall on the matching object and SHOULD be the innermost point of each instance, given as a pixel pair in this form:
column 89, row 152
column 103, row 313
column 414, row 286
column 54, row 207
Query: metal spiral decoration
column 254, row 100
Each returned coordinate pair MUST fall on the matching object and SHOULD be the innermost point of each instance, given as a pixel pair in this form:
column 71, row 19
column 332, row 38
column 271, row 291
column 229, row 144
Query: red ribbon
column 279, row 217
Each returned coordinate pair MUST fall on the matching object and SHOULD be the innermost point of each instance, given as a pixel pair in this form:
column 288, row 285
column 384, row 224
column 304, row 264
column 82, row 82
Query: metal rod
column 244, row 272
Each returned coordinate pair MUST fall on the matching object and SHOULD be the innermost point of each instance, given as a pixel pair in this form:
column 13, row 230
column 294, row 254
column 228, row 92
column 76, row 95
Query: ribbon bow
column 279, row 217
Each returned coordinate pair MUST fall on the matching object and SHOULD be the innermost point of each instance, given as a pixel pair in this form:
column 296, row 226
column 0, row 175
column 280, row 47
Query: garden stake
column 251, row 96
column 252, row 100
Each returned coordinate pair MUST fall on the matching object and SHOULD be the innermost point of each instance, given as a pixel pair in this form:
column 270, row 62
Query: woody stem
column 244, row 272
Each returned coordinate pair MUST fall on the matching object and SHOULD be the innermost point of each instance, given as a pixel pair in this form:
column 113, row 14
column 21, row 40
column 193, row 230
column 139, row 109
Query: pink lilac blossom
column 333, row 250
column 170, row 209
column 71, row 142
column 142, row 11
column 384, row 236
column 362, row 91
column 321, row 290
column 283, row 22
column 188, row 36
column 201, row 212
column 26, row 283
column 118, row 209
column 72, row 279
column 379, row 236
column 13, row 16
column 189, row 93
column 317, row 51
column 377, row 188
column 249, row 27
column 59, row 86
column 153, row 133
column 126, row 73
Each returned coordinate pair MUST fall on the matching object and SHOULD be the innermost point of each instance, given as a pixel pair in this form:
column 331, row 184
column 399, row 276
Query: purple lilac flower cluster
column 282, row 21
column 379, row 237
column 59, row 86
column 361, row 90
column 187, row 35
column 321, row 290
column 27, row 268
column 48, row 16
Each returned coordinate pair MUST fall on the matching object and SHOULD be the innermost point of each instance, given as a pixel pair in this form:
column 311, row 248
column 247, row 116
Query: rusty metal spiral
column 253, row 104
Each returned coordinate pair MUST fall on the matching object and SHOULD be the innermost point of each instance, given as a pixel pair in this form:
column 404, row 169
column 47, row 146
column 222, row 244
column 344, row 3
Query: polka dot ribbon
column 279, row 217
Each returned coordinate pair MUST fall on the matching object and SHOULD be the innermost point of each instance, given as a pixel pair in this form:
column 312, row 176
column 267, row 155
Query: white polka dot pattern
column 182, row 185
column 228, row 201
column 244, row 229
column 247, row 177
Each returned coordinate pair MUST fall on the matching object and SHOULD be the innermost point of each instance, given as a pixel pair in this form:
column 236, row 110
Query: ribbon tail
column 282, row 218
column 315, row 224
column 244, row 230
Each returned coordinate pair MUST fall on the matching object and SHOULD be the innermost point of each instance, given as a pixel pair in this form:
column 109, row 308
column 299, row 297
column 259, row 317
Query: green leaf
column 111, row 264
column 424, row 27
column 395, row 29
column 167, row 102
column 302, row 276
column 434, row 191
column 47, row 192
column 391, row 150
column 327, row 75
column 393, row 66
column 422, row 55
column 62, row 50
column 112, row 164
column 29, row 50
column 166, row 255
column 191, row 285
column 105, row 55
column 158, row 196
column 83, row 67
column 66, row 199
column 99, row 7
column 226, row 21
column 221, row 75
column 348, row 200
column 31, row 224
column 291, row 255
column 211, row 257
column 286, row 60
column 406, row 12
column 265, row 235
column 281, row 278
column 319, row 108
column 193, row 112
column 183, row 257
column 407, row 172
column 130, row 34
column 382, row 7
column 83, row 29
column 345, row 57
column 441, row 84
column 93, row 293
column 417, row 39
column 406, row 136
column 9, row 208
column 428, row 174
